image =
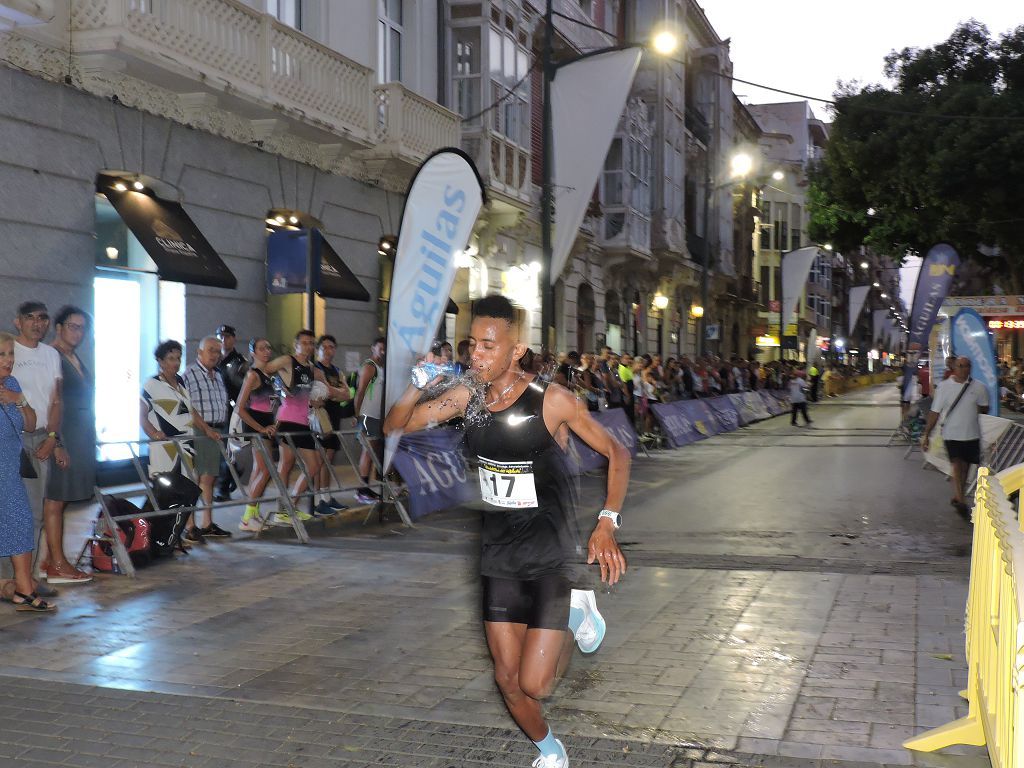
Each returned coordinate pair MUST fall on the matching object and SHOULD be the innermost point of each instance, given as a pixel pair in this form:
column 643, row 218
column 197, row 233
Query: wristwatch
column 615, row 517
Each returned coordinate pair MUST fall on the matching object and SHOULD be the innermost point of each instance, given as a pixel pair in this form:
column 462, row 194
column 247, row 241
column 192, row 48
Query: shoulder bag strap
column 956, row 402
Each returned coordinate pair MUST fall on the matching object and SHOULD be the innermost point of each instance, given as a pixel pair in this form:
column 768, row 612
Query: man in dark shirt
column 232, row 368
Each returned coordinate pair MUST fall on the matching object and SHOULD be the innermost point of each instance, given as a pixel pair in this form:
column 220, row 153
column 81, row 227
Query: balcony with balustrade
column 222, row 55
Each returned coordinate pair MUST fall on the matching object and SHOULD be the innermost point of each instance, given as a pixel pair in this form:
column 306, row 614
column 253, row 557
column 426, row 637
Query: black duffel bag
column 172, row 491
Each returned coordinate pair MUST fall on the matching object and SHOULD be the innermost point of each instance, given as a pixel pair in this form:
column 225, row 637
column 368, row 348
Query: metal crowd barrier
column 994, row 630
column 283, row 500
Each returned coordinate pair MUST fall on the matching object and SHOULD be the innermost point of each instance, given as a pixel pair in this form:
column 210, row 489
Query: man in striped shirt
column 209, row 399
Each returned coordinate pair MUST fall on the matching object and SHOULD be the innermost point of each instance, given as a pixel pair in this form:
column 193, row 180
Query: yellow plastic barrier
column 994, row 632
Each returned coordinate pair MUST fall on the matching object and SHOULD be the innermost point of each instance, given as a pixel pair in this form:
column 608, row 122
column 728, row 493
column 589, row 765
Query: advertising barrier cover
column 685, row 421
column 433, row 467
column 777, row 404
column 725, row 412
column 616, row 422
column 750, row 407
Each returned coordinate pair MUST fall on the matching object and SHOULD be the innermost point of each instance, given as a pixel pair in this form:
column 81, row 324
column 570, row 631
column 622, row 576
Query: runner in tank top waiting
column 294, row 375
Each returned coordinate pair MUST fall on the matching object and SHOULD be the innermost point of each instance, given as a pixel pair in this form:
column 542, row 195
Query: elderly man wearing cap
column 232, row 367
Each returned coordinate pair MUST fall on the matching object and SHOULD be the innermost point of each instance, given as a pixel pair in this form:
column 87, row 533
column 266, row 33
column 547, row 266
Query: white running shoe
column 552, row 761
column 591, row 632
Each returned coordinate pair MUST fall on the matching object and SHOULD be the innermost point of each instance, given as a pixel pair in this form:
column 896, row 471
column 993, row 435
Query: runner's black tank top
column 262, row 397
column 532, row 540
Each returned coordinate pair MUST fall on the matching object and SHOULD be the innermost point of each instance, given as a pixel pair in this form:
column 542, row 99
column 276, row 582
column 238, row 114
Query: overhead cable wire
column 507, row 95
column 883, row 110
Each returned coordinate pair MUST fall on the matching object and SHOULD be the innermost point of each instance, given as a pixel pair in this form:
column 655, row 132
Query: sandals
column 33, row 603
column 67, row 574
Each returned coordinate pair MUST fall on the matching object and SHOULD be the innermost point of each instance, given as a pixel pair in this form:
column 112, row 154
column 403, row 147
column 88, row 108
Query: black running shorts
column 538, row 603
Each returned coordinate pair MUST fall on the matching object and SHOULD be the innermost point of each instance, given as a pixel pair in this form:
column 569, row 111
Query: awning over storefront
column 286, row 267
column 170, row 237
column 336, row 279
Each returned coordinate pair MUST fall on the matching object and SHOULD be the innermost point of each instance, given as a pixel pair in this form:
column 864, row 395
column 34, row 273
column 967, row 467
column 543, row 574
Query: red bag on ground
column 134, row 533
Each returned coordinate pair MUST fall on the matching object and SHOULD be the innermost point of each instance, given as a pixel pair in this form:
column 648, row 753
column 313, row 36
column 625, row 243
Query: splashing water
column 476, row 409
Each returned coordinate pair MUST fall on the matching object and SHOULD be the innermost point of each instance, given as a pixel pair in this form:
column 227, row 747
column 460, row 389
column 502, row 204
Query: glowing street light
column 864, row 265
column 778, row 175
column 665, row 42
column 660, row 301
column 740, row 165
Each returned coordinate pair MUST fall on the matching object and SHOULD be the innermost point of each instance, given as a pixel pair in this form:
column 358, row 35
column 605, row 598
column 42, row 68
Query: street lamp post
column 547, row 301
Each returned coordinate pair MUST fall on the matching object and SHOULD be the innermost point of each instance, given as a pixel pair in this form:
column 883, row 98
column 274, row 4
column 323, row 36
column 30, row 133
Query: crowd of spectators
column 607, row 379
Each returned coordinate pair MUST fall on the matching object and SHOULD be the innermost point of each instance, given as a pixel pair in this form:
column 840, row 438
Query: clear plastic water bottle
column 424, row 373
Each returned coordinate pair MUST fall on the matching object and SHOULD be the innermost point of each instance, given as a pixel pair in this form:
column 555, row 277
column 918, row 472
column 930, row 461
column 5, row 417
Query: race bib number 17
column 507, row 484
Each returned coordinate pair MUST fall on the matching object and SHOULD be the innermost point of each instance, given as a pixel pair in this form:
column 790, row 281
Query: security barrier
column 994, row 632
column 106, row 529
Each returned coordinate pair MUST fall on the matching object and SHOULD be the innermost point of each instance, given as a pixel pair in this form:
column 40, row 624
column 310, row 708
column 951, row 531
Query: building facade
column 250, row 117
column 792, row 139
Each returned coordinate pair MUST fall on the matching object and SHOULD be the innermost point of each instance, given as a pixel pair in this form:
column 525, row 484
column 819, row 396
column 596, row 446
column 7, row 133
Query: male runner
column 528, row 532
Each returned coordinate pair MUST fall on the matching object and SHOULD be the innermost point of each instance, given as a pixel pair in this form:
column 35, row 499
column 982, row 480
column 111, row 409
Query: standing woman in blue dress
column 16, row 536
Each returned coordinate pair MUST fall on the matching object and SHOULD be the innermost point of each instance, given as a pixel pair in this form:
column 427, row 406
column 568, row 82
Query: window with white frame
column 286, row 11
column 389, row 40
column 781, row 234
column 795, row 228
column 611, row 193
column 640, row 174
column 466, row 72
column 510, row 87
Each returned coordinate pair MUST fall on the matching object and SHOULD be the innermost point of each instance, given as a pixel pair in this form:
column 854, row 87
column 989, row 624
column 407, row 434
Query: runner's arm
column 277, row 364
column 409, row 415
column 567, row 409
column 366, row 374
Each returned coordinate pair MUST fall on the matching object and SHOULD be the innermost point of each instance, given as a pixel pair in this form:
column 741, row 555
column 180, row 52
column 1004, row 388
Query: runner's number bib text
column 507, row 484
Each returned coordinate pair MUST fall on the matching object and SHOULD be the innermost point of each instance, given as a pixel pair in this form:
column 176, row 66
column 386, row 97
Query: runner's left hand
column 604, row 549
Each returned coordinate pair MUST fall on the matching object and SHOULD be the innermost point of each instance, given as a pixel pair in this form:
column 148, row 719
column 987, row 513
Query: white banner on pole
column 858, row 294
column 812, row 347
column 796, row 265
column 441, row 207
column 587, row 99
column 909, row 272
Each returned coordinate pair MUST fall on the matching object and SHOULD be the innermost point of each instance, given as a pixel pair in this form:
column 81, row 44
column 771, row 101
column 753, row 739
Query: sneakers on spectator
column 194, row 536
column 324, row 509
column 366, row 495
column 336, row 505
column 251, row 524
column 215, row 531
column 283, row 518
column 591, row 630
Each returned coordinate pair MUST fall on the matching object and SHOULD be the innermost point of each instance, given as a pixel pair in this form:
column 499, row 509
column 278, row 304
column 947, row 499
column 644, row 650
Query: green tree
column 939, row 157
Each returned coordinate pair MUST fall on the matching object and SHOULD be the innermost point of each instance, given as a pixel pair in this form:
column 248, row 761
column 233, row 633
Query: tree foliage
column 939, row 157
